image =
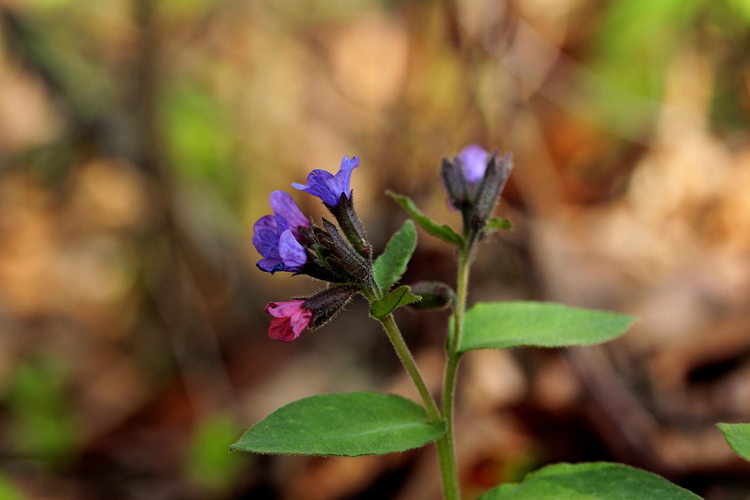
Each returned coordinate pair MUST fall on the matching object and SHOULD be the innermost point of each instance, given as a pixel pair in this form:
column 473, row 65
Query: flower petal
column 281, row 329
column 344, row 175
column 283, row 204
column 270, row 265
column 284, row 309
column 265, row 222
column 300, row 321
column 291, row 252
column 266, row 242
column 318, row 184
column 474, row 159
column 281, row 224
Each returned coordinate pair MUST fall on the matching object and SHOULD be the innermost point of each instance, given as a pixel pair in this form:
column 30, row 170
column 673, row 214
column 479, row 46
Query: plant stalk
column 444, row 444
column 446, row 447
column 404, row 354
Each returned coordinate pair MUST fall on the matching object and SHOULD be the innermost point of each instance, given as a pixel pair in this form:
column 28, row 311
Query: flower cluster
column 288, row 241
column 340, row 254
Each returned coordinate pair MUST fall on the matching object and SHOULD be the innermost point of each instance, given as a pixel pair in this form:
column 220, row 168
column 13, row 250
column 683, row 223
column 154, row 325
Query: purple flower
column 329, row 187
column 474, row 160
column 277, row 236
column 289, row 319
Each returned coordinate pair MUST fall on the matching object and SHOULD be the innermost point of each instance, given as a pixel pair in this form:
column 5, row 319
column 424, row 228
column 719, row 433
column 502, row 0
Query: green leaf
column 354, row 424
column 502, row 325
column 738, row 437
column 497, row 223
column 401, row 296
column 590, row 481
column 442, row 231
column 393, row 261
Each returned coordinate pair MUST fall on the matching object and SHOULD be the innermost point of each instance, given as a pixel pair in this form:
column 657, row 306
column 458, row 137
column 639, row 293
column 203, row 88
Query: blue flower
column 276, row 237
column 474, row 160
column 329, row 187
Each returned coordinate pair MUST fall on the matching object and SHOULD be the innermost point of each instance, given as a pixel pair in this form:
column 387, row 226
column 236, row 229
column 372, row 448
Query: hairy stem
column 404, row 354
column 446, row 447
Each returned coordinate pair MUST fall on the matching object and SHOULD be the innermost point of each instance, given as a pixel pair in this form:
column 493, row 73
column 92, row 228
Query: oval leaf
column 354, row 424
column 393, row 261
column 738, row 437
column 502, row 325
column 442, row 231
column 590, row 481
column 401, row 296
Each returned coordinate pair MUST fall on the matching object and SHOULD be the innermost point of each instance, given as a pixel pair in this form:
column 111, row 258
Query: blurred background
column 140, row 139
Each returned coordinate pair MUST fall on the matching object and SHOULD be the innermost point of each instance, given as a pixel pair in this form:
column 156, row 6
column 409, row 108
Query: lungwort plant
column 369, row 423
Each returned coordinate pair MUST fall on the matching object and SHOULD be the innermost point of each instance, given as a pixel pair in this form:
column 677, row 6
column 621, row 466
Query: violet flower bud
column 473, row 181
column 474, row 161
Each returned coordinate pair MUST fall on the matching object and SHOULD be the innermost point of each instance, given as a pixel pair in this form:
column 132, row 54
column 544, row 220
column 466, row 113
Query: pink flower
column 289, row 319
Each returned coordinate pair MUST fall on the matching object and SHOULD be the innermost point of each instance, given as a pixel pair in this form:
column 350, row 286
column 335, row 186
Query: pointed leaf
column 442, row 231
column 502, row 325
column 354, row 424
column 497, row 223
column 401, row 296
column 590, row 481
column 738, row 437
column 393, row 261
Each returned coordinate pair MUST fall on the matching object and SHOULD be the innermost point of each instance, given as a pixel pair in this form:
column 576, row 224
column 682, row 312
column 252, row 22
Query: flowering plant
column 340, row 254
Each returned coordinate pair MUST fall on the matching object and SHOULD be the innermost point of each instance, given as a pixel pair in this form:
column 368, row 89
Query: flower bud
column 488, row 192
column 473, row 181
column 351, row 226
column 327, row 303
column 289, row 319
column 434, row 294
column 455, row 184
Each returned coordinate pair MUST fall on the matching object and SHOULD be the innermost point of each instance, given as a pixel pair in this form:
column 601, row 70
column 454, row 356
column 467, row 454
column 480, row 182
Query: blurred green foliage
column 638, row 40
column 631, row 52
column 43, row 424
column 208, row 461
column 200, row 139
column 8, row 491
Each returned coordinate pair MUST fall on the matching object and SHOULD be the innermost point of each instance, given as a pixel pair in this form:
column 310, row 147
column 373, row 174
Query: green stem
column 464, row 260
column 404, row 354
column 446, row 448
column 445, row 444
